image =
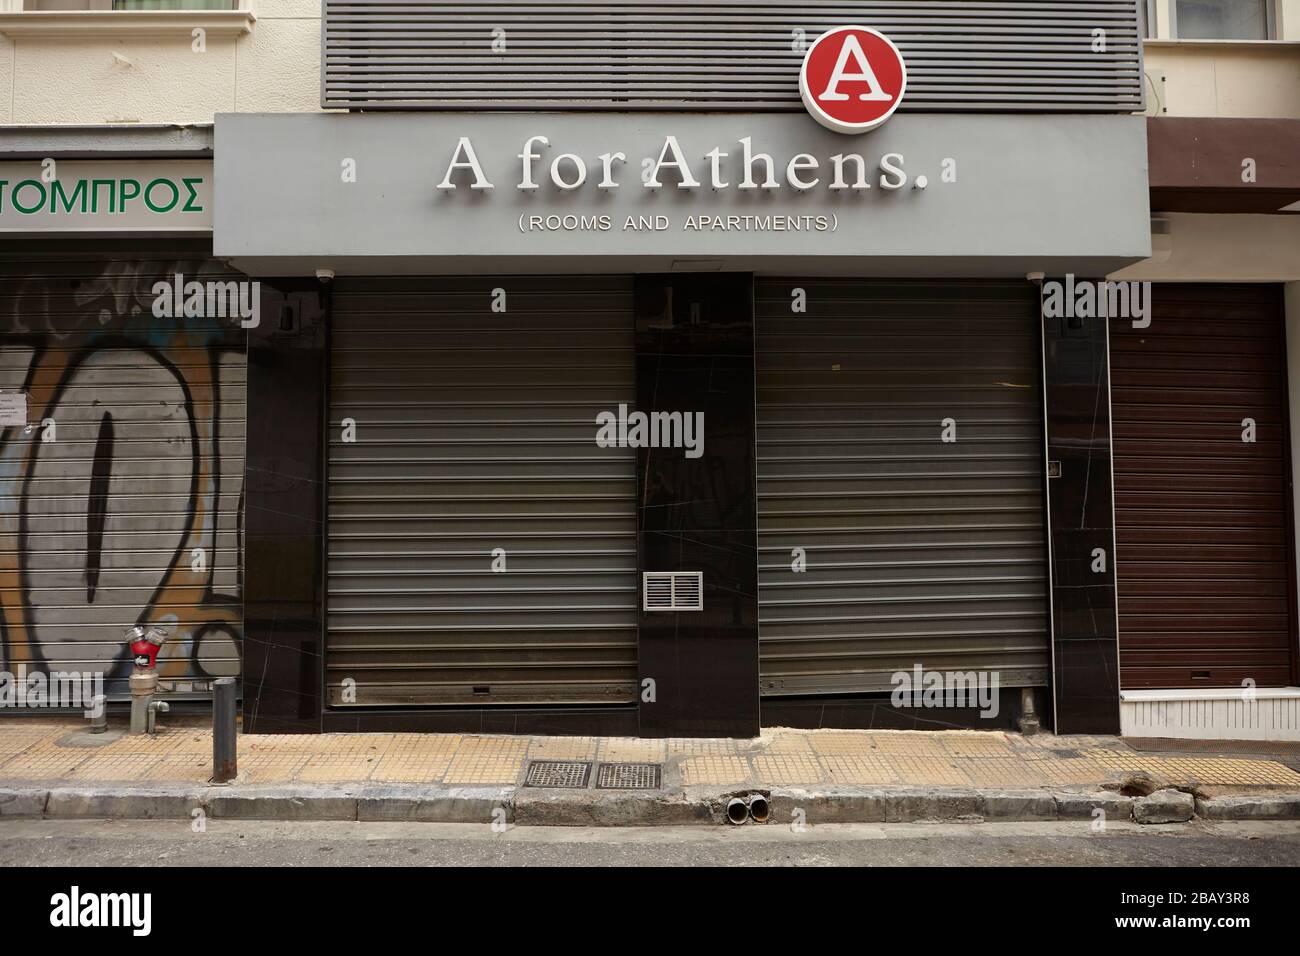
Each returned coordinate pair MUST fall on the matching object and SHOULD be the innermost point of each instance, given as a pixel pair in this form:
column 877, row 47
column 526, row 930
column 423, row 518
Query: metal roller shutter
column 917, row 551
column 475, row 431
column 962, row 55
column 131, row 511
column 1202, row 522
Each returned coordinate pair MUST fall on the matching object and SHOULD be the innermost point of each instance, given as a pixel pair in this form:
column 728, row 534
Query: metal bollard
column 224, row 769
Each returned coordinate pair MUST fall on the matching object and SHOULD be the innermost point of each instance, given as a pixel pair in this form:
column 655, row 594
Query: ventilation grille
column 962, row 55
column 673, row 590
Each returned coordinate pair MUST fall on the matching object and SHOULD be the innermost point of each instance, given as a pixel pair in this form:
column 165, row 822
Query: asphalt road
column 243, row 844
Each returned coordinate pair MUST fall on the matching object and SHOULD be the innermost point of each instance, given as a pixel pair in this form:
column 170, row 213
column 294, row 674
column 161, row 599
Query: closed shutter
column 917, row 551
column 122, row 497
column 1201, row 519
column 475, row 447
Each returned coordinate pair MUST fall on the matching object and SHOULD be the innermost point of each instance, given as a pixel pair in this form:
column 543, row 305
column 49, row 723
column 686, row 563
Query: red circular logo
column 852, row 79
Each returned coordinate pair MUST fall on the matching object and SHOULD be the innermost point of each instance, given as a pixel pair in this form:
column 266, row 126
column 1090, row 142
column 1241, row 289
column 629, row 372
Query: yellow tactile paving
column 843, row 769
column 336, row 768
column 719, row 770
column 1227, row 771
column 487, row 760
column 411, row 768
column 999, row 772
column 784, row 769
column 52, row 750
column 698, row 747
column 52, row 764
column 630, row 750
column 787, row 743
column 908, row 745
column 939, row 771
column 562, row 748
column 185, row 768
column 116, row 767
column 270, row 768
column 982, row 745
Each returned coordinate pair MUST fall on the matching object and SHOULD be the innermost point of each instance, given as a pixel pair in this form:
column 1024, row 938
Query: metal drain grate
column 563, row 774
column 629, row 776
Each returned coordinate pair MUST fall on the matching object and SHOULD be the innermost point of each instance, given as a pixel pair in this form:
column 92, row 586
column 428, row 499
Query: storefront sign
column 852, row 79
column 106, row 196
column 430, row 192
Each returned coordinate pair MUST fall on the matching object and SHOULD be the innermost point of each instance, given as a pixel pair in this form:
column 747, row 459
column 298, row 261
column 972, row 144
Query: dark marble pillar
column 284, row 509
column 1081, row 521
column 695, row 353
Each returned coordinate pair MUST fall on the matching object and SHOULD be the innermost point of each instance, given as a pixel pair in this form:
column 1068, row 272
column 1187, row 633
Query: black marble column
column 284, row 509
column 695, row 353
column 1081, row 521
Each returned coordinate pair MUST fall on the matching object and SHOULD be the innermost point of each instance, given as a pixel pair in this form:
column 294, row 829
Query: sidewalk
column 56, row 768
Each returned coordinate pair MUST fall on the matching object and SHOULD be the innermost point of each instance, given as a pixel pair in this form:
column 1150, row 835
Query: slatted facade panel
column 122, row 499
column 475, row 435
column 962, row 55
column 1202, row 524
column 917, row 551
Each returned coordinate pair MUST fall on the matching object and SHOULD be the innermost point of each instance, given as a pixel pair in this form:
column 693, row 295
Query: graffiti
column 131, row 514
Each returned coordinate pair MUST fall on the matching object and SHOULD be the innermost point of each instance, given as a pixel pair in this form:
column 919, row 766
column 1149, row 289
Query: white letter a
column 865, row 74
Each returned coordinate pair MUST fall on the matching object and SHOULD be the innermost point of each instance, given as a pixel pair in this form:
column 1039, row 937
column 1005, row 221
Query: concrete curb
column 692, row 806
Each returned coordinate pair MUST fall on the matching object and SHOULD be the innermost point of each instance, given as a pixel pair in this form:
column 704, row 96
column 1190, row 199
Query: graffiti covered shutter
column 121, row 499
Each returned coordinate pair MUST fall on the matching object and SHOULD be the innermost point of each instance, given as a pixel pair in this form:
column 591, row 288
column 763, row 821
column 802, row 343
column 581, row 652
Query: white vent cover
column 672, row 590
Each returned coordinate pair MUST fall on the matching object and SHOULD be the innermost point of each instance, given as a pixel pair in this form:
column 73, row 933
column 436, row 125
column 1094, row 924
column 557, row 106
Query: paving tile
column 336, row 768
column 787, row 743
column 868, row 770
column 562, row 748
column 921, row 771
column 184, row 768
column 1000, row 773
column 788, row 769
column 411, row 768
column 980, row 745
column 716, row 769
column 114, row 767
column 270, row 768
column 53, row 764
column 686, row 746
column 631, row 750
column 487, row 760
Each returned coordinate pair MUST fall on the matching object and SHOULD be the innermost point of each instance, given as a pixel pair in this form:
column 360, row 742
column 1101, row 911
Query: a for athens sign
column 852, row 79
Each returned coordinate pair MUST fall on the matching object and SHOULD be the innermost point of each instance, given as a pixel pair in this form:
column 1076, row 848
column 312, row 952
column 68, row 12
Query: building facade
column 542, row 367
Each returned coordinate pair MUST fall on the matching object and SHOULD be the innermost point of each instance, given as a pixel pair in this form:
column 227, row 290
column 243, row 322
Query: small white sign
column 13, row 409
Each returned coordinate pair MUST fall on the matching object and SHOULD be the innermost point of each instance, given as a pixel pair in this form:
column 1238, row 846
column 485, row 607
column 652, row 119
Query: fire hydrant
column 144, row 678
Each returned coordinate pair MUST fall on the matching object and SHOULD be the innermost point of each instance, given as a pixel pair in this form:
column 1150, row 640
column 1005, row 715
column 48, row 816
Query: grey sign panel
column 956, row 194
column 739, row 55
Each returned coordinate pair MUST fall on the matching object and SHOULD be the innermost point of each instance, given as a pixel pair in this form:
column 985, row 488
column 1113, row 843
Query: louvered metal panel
column 962, row 55
column 475, row 431
column 128, row 509
column 1202, row 522
column 917, row 551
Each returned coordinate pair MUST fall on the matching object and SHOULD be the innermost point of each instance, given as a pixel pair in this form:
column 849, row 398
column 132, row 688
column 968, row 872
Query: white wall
column 110, row 77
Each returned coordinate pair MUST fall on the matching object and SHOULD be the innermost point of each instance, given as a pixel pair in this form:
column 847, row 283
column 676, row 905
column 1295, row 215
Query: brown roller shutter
column 1202, row 522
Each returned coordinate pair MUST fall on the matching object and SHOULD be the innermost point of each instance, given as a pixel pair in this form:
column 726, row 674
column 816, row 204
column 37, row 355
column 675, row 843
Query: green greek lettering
column 17, row 204
column 189, row 182
column 148, row 195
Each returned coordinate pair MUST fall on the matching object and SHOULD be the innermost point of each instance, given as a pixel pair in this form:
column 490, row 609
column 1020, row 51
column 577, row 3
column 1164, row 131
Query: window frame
column 1270, row 26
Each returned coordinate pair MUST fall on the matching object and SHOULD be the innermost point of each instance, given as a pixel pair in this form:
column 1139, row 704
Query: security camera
column 324, row 274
